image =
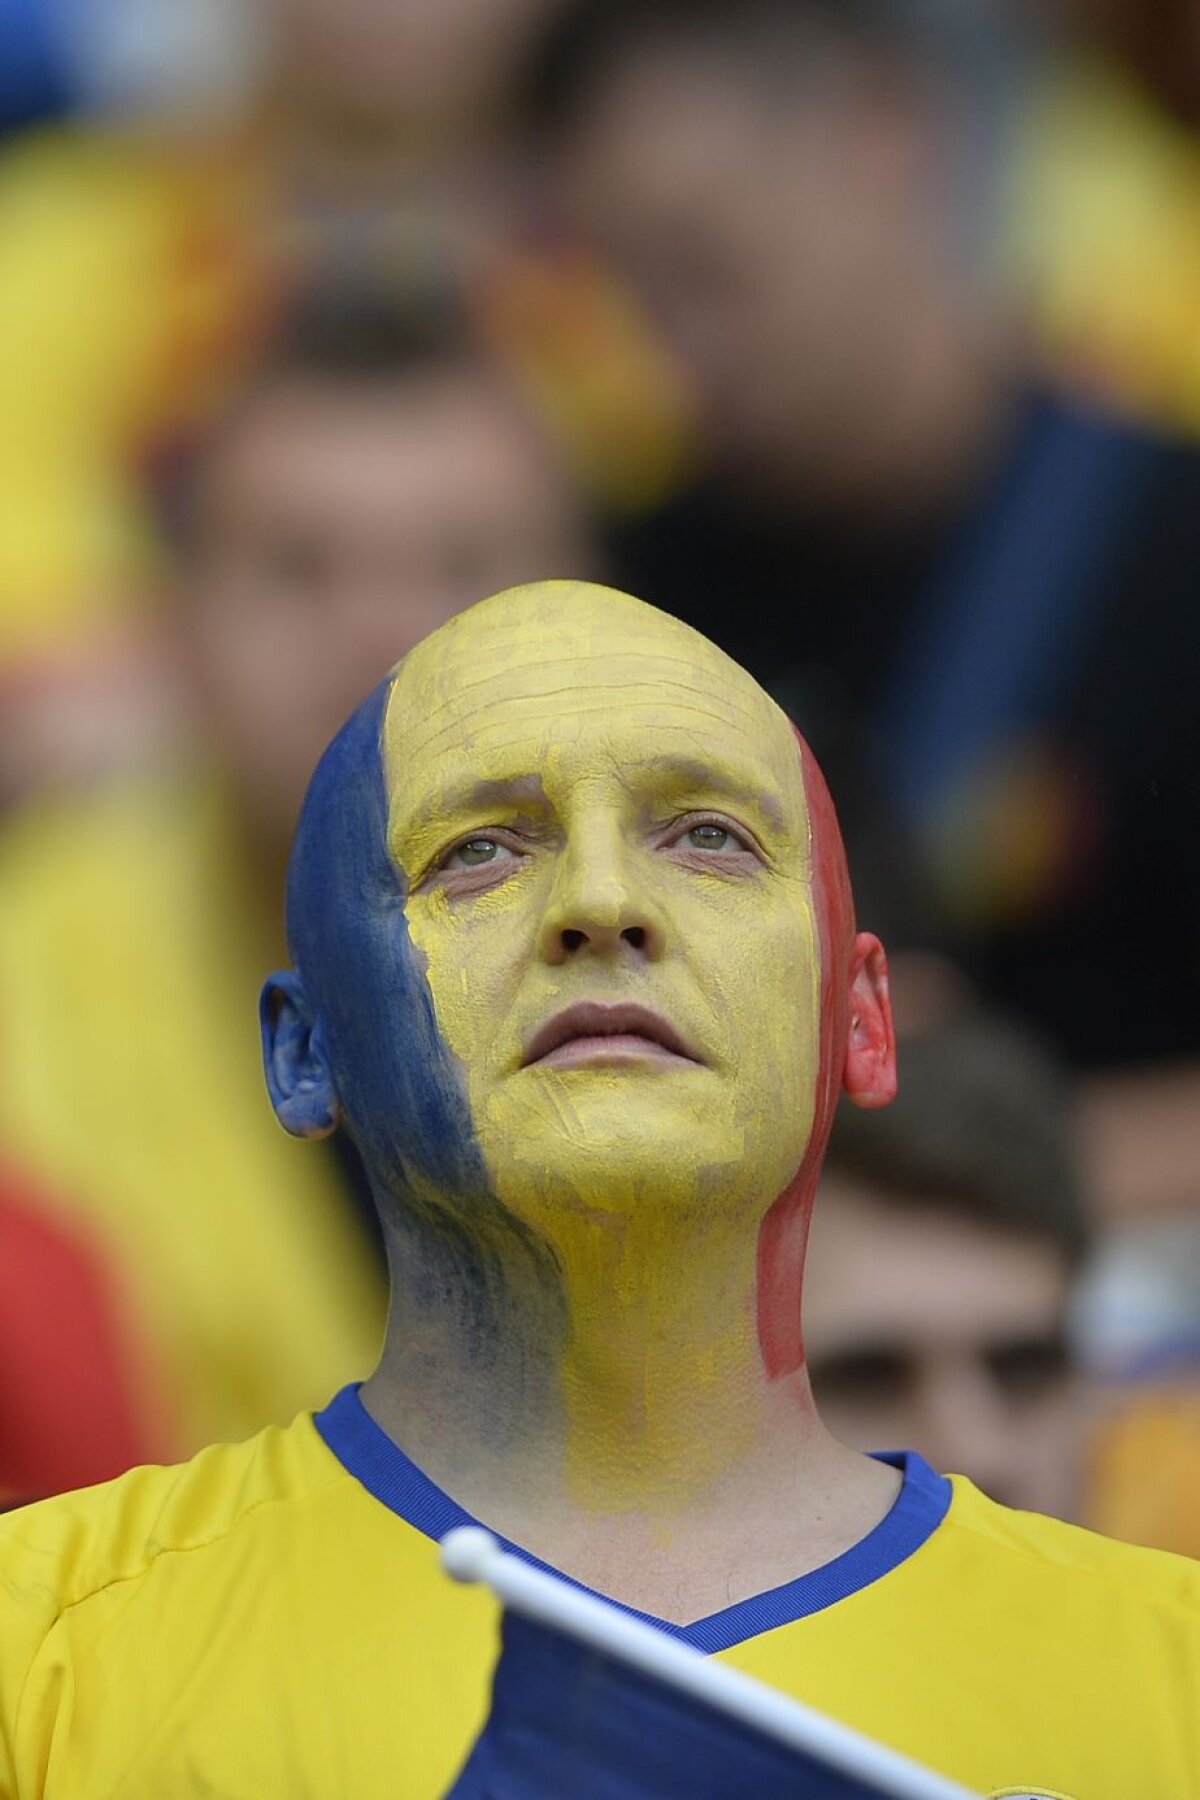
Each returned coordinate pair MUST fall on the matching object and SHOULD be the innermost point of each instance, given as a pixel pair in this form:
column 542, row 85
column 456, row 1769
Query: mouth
column 595, row 1035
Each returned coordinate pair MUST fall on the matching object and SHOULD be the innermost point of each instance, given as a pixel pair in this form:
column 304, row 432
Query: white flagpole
column 471, row 1554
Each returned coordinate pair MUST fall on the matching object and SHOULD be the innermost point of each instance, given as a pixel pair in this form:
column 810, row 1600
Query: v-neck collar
column 366, row 1452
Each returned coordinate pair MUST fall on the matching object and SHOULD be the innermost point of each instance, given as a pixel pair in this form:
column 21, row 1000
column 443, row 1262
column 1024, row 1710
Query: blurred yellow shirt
column 1155, row 1428
column 1104, row 239
column 129, row 292
column 133, row 1089
column 271, row 1620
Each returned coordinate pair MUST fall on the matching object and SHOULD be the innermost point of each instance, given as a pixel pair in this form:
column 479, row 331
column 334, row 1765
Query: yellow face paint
column 591, row 804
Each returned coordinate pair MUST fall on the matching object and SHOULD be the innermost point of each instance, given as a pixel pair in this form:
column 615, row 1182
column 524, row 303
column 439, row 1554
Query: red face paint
column 783, row 1236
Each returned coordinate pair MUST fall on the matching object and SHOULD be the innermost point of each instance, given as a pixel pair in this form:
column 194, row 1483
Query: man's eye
column 710, row 837
column 476, row 852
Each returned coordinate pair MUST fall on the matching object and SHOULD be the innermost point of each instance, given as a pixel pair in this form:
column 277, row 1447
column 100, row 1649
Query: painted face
column 601, row 831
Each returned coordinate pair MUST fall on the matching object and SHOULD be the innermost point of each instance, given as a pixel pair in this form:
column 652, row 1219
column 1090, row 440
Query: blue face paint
column 355, row 1029
column 399, row 1088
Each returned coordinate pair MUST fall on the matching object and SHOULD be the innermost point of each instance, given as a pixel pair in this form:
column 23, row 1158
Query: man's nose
column 600, row 905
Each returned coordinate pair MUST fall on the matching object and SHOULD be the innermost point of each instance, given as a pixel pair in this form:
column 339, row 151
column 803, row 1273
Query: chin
column 607, row 1150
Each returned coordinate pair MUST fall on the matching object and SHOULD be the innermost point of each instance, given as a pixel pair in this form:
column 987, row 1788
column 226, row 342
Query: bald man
column 576, row 967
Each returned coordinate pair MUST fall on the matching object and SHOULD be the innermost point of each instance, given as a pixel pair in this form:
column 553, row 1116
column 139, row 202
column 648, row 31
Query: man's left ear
column 299, row 1079
column 869, row 1077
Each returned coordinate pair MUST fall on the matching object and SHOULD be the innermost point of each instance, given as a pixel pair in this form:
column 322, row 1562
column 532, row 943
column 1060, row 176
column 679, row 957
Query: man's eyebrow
column 744, row 783
column 736, row 780
column 471, row 793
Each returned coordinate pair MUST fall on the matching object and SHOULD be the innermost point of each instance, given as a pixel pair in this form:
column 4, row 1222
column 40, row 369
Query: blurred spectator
column 71, row 1390
column 987, row 590
column 98, row 704
column 946, row 1233
column 775, row 181
column 389, row 141
column 1144, row 1467
column 378, row 476
column 1105, row 207
column 428, row 80
column 165, row 164
column 374, row 478
column 947, row 1297
column 129, row 285
column 1137, row 1324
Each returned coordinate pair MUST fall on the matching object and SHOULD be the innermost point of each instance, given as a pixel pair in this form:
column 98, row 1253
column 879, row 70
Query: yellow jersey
column 270, row 1619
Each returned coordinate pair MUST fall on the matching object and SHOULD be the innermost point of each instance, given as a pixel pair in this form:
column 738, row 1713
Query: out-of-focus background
column 863, row 334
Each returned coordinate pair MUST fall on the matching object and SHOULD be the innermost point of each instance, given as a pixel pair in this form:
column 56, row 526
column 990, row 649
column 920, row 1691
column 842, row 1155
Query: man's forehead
column 530, row 672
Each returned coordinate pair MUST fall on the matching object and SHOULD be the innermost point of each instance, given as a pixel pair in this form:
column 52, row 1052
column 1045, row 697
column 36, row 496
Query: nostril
column 636, row 936
column 572, row 940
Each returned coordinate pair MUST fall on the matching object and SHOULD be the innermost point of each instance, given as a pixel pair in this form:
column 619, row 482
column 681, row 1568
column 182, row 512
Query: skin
column 587, row 802
column 930, row 1328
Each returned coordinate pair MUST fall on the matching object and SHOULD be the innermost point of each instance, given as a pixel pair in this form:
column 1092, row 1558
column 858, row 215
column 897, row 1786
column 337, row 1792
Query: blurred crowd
column 862, row 334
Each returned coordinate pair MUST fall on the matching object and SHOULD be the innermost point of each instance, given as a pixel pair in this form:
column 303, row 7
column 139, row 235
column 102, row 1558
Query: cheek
column 405, row 1100
column 767, row 985
column 473, row 953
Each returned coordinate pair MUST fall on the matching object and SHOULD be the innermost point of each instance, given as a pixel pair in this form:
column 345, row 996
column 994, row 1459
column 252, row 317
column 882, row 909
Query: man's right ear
column 299, row 1079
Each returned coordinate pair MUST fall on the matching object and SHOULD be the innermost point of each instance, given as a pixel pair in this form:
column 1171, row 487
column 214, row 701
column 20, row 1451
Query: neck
column 621, row 1420
column 663, row 1377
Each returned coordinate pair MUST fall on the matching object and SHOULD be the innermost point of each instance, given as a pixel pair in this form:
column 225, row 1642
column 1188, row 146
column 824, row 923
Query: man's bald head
column 342, row 841
column 564, row 794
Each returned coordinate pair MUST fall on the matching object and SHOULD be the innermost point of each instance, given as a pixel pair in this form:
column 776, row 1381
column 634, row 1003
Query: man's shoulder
column 1032, row 1547
column 189, row 1629
column 60, row 1553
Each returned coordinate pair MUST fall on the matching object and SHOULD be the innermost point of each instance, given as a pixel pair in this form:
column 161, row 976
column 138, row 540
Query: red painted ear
column 869, row 1077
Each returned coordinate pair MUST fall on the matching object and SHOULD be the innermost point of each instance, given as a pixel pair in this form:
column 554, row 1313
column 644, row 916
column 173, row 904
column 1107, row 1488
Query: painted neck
column 667, row 1393
column 641, row 1360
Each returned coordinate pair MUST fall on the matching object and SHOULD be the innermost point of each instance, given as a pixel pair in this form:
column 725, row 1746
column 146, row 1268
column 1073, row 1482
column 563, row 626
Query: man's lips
column 596, row 1033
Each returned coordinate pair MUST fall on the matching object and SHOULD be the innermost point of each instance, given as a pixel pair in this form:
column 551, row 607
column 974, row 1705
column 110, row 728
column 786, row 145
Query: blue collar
column 366, row 1451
